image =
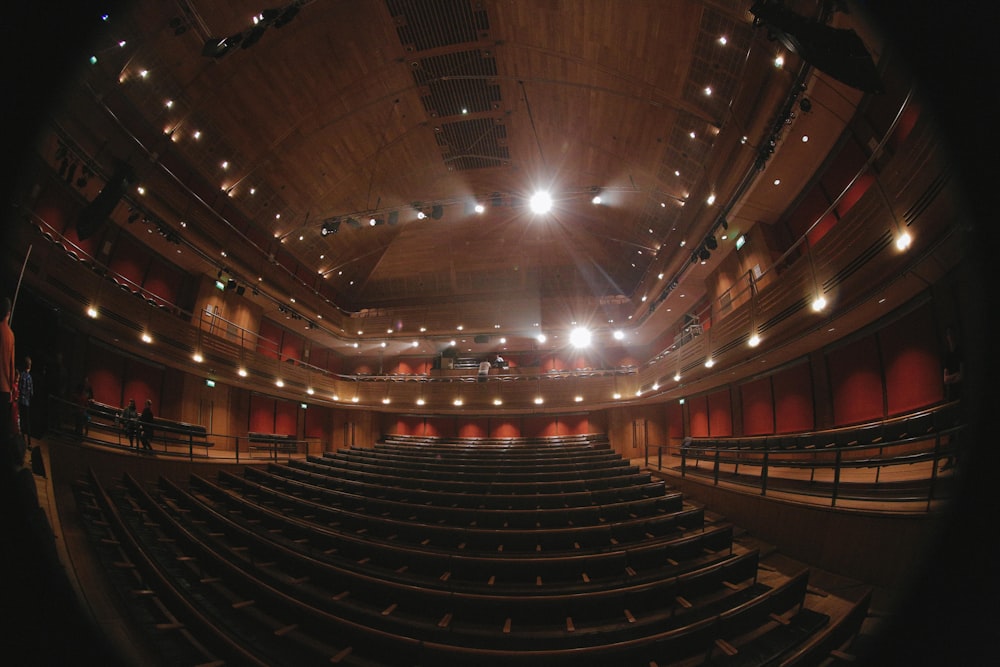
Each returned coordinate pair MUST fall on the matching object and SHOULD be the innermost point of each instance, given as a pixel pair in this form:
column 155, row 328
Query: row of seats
column 471, row 514
column 304, row 561
column 916, row 426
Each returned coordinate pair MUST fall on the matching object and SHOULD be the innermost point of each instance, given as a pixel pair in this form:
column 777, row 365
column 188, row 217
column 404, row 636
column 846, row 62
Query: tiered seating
column 445, row 554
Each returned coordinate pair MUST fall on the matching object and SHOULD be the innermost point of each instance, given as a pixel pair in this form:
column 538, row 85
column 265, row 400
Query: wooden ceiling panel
column 383, row 108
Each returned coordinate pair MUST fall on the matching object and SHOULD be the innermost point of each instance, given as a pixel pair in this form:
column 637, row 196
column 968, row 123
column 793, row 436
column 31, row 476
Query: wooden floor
column 828, row 593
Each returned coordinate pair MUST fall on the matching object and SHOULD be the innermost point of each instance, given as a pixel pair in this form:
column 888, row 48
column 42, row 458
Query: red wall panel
column 261, row 414
column 793, row 400
column 292, row 346
column 720, row 414
column 675, row 420
column 757, row 401
column 269, row 340
column 473, row 428
column 538, row 427
column 317, row 418
column 163, row 282
column 440, row 427
column 129, row 260
column 57, row 207
column 286, row 417
column 506, row 428
column 698, row 416
column 855, row 382
column 105, row 373
column 854, row 193
column 412, row 425
column 574, row 425
column 912, row 363
column 144, row 381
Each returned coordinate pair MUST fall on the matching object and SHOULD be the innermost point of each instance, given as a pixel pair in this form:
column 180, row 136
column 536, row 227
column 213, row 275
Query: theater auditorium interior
column 499, row 332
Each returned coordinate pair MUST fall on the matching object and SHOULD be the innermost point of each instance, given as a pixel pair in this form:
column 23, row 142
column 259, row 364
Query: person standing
column 26, row 389
column 7, row 379
column 146, row 425
column 954, row 367
column 130, row 421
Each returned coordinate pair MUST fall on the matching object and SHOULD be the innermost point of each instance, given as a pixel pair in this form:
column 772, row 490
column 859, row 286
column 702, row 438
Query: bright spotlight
column 903, row 241
column 579, row 337
column 619, row 334
column 754, row 341
column 818, row 304
column 540, row 202
column 541, row 338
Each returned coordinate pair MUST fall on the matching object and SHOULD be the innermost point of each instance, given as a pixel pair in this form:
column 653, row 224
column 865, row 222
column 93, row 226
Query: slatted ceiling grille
column 455, row 83
column 476, row 143
column 715, row 65
column 423, row 25
column 681, row 166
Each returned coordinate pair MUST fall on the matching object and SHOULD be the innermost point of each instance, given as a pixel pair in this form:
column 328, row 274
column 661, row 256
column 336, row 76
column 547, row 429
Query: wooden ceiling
column 323, row 115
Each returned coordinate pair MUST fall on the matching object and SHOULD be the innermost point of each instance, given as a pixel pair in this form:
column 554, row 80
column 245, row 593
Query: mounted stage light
column 331, row 226
column 353, row 222
column 540, row 202
column 393, row 217
column 216, row 48
column 579, row 337
column 711, row 243
column 253, row 35
column 704, row 254
column 287, row 14
column 437, row 212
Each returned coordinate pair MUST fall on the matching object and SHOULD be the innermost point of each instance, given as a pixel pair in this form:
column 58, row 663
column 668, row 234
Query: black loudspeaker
column 838, row 52
column 96, row 212
column 482, row 339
